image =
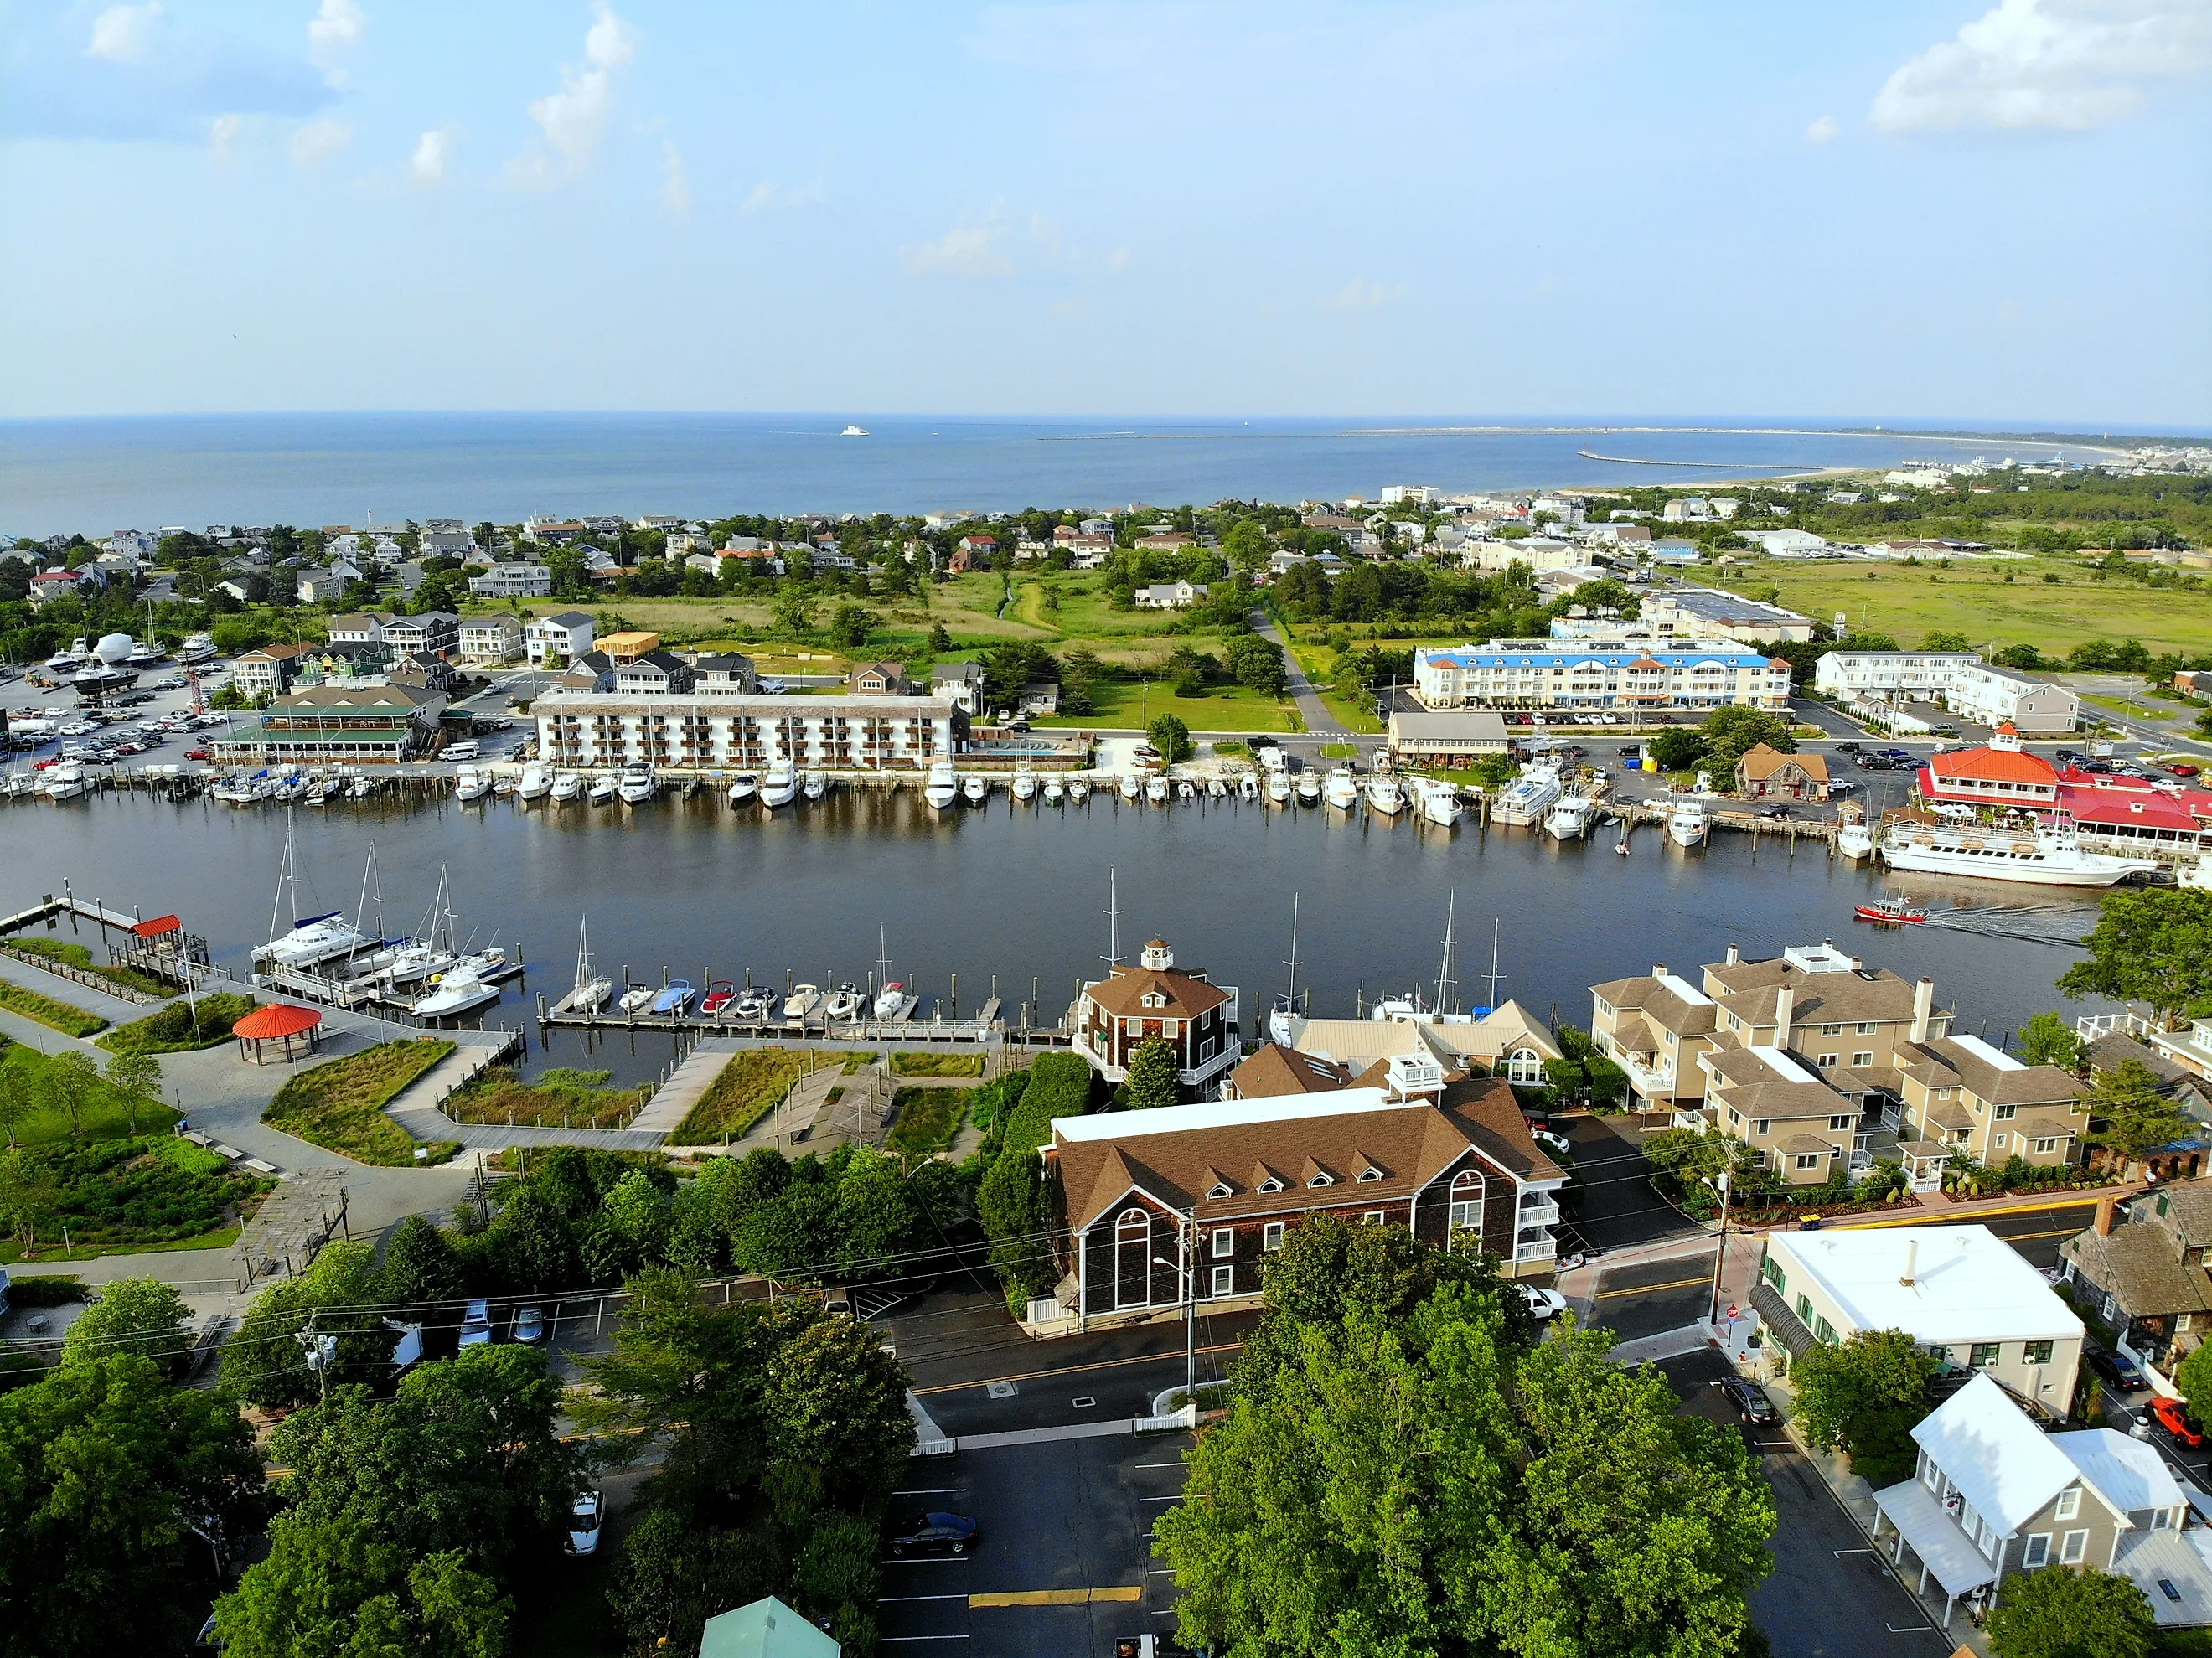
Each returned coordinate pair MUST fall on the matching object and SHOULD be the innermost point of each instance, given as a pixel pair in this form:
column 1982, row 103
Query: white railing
column 1545, row 1213
column 1545, row 1250
column 1689, row 1118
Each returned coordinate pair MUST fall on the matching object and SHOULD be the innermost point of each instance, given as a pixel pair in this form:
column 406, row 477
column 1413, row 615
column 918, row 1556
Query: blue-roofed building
column 1601, row 673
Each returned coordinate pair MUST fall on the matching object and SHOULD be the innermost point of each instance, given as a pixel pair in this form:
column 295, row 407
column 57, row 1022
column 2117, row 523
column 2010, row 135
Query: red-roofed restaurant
column 289, row 1028
column 2160, row 818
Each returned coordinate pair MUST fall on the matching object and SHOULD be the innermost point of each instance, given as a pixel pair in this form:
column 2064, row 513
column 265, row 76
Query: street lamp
column 1187, row 1291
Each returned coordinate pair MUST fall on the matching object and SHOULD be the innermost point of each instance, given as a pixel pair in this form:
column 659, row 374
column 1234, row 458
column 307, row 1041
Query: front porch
column 1916, row 1520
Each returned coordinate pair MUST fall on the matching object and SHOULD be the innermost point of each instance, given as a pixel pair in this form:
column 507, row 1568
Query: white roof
column 1782, row 1065
column 2127, row 1473
column 1988, row 1056
column 1968, row 1285
column 1682, row 988
column 2008, row 1467
column 1229, row 1114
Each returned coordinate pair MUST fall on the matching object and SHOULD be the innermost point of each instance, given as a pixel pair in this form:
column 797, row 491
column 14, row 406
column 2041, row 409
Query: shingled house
column 2146, row 1276
column 1215, row 1188
column 1197, row 1018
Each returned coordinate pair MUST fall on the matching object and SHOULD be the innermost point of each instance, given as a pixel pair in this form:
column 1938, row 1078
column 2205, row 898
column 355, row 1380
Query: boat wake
column 2059, row 925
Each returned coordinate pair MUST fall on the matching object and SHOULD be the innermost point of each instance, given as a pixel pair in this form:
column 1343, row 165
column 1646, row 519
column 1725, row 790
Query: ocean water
column 92, row 475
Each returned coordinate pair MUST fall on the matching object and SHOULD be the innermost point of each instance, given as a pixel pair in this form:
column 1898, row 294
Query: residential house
column 492, row 638
column 359, row 628
column 1896, row 676
column 321, row 586
column 1166, row 541
column 627, row 647
column 589, row 671
column 973, row 552
column 267, row 670
column 1196, row 1017
column 1212, row 1190
column 2145, row 1276
column 1993, row 1496
column 347, row 724
column 1786, row 543
column 724, row 670
column 1766, row 774
column 960, row 682
column 1169, row 595
column 1801, row 1123
column 1963, row 1097
column 49, row 584
column 580, row 724
column 1965, row 1297
column 433, row 631
column 878, row 679
column 1991, row 696
column 560, row 638
column 657, row 673
column 513, row 581
column 1503, row 1041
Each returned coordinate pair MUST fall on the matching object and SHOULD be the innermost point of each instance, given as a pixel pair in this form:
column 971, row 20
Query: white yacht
column 65, row 781
column 1384, row 795
column 1687, row 824
column 1854, row 842
column 1278, row 789
column 199, row 649
column 1342, row 789
column 975, row 788
column 70, row 660
column 457, row 992
column 314, row 940
column 145, row 653
column 1078, row 789
column 779, row 785
column 1439, row 801
column 469, row 784
column 744, row 790
column 943, row 787
column 537, row 782
column 566, row 786
column 801, row 1001
column 1529, row 796
column 1054, row 792
column 1569, row 820
column 602, row 792
column 853, row 432
column 814, row 785
column 1025, row 783
column 1308, row 785
column 638, row 783
column 2047, row 854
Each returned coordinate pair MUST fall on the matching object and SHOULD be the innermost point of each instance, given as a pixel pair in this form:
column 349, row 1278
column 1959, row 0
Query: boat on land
column 2047, row 854
column 1570, row 818
column 943, row 787
column 744, row 790
column 975, row 788
column 802, row 1001
column 70, row 660
column 674, row 997
column 1890, row 912
column 638, row 784
column 1687, row 824
column 566, row 786
column 779, row 785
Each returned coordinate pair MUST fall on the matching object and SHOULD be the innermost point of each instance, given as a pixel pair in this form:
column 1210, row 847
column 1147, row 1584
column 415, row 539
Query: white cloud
column 2060, row 65
column 674, row 186
column 433, row 152
column 1823, row 131
column 317, row 142
column 1002, row 243
column 222, row 131
column 573, row 122
column 971, row 252
column 1359, row 294
column 334, row 30
column 122, row 33
column 768, row 198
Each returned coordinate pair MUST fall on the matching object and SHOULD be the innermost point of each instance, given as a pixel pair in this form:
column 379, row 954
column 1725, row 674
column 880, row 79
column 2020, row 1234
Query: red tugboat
column 1891, row 912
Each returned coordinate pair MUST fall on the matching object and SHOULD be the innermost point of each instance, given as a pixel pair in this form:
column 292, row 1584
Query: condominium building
column 1624, row 672
column 716, row 728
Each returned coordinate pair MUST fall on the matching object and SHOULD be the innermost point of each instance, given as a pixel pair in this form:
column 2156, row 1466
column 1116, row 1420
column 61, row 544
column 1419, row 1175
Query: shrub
column 180, row 1026
column 928, row 1119
column 937, row 1065
column 44, row 1292
column 339, row 1106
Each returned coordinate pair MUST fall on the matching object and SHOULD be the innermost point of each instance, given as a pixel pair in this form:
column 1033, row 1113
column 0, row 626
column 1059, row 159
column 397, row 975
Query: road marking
column 2023, row 1237
column 926, row 1560
column 1177, row 1498
column 932, row 1491
column 1078, row 1370
column 1979, row 1215
column 1057, row 1597
column 1086, row 1402
column 888, row 1639
column 887, row 1599
column 1772, row 1445
column 1156, row 1465
column 1161, row 1571
column 1705, row 1283
column 1840, row 1553
column 1916, row 1628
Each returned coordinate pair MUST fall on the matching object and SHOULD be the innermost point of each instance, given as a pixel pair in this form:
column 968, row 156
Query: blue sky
column 1865, row 209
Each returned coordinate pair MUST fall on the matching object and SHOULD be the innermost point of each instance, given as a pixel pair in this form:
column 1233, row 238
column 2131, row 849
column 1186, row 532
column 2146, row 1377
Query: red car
column 2183, row 768
column 2174, row 1418
column 720, row 994
column 198, row 754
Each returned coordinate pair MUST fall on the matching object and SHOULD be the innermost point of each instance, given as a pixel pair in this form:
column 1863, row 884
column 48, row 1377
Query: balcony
column 1538, row 1209
column 1531, row 1252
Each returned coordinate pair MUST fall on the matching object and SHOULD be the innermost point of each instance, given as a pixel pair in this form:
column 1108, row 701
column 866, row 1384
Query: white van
column 463, row 750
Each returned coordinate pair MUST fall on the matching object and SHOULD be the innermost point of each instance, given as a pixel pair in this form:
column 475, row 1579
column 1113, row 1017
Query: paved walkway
column 1315, row 712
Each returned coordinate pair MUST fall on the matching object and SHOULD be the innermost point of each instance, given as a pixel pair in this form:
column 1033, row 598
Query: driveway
column 1319, row 721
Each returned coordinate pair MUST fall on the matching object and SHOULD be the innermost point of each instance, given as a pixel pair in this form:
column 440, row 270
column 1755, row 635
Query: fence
column 84, row 976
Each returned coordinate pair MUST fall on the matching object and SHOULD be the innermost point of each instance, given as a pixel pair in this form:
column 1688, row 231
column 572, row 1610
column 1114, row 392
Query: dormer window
column 1271, row 1184
column 1371, row 1173
column 1153, row 999
column 1220, row 1189
column 1321, row 1178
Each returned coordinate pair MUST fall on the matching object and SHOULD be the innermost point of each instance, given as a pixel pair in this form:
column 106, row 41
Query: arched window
column 1132, row 1259
column 1524, row 1068
column 1467, row 1202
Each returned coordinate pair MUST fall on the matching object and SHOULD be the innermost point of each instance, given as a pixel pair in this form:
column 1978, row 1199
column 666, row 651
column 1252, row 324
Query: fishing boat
column 1529, row 796
column 1054, row 791
column 1247, row 785
column 1890, row 912
column 469, row 784
column 1216, row 789
column 1185, row 789
column 843, row 1003
column 503, row 784
column 1131, row 786
column 592, row 989
column 1156, row 791
column 1854, row 842
column 675, row 996
column 1569, row 819
column 197, row 649
column 2048, row 854
column 1438, row 801
column 70, row 660
column 751, row 1007
column 566, row 786
column 1025, row 783
column 975, row 788
column 1687, row 824
column 1278, row 789
column 1383, row 794
column 779, row 785
column 1308, row 786
column 815, row 786
column 455, row 992
column 802, row 1001
column 943, row 787
column 892, row 1000
column 638, row 784
column 537, row 782
column 744, row 790
column 1342, row 789
column 1078, row 789
column 602, row 792
column 636, row 998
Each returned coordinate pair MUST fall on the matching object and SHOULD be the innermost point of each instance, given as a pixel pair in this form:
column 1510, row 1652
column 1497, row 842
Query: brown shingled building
column 1196, row 1016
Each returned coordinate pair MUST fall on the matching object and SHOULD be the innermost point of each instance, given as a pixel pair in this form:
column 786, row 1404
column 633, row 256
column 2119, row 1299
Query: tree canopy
column 2151, row 944
column 2071, row 1612
column 1865, row 1395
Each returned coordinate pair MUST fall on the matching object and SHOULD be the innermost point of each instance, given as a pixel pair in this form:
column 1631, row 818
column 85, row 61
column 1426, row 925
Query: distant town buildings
column 1624, row 672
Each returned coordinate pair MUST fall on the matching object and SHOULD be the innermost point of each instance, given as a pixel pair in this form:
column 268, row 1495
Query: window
column 1839, row 1122
column 2037, row 1552
column 1465, row 1213
column 1827, row 1061
column 1322, row 1177
column 1225, row 1242
column 1825, row 1330
column 1525, row 1067
column 1983, row 1356
column 1831, row 1030
column 1224, row 1280
column 1806, row 1160
column 1773, row 1272
column 1861, row 1060
column 1219, row 1189
column 2043, row 1148
column 1805, row 1310
column 1371, row 1173
column 1270, row 1236
column 1132, row 1259
column 2069, row 1502
column 1372, row 1217
column 2075, row 1545
column 1866, row 1027
column 1271, row 1184
column 2163, row 1519
column 1761, row 1126
column 2001, row 1142
column 2005, row 1113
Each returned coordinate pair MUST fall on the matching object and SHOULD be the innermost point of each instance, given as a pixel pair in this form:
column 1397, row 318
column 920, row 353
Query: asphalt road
column 1829, row 1594
column 1654, row 1295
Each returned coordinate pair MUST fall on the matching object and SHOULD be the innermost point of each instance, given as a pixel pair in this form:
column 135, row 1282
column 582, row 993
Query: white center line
column 932, row 1491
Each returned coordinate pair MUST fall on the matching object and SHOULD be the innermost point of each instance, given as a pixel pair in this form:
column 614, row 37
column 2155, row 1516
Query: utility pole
column 1720, row 1255
column 1190, row 1316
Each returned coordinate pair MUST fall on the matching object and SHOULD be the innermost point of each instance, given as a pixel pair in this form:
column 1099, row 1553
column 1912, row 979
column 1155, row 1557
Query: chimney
column 1734, row 957
column 1924, row 1004
column 1911, row 1260
column 1658, row 969
column 2107, row 1207
column 1785, row 1009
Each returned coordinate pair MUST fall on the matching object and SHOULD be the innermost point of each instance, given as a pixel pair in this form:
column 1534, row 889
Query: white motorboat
column 843, row 1003
column 1687, row 824
column 469, row 784
column 1026, row 785
column 1216, row 789
column 1132, row 787
column 1307, row 785
column 1185, row 789
column 20, row 785
column 360, row 788
column 778, row 786
column 199, row 649
column 1156, row 791
column 1054, row 791
column 975, row 788
column 892, row 1000
column 567, row 787
column 853, row 432
column 412, row 963
column 943, row 787
column 1854, row 842
column 311, row 942
column 1529, row 796
column 65, row 781
column 1438, row 800
column 70, row 660
column 1247, row 785
column 1569, row 820
column 601, row 793
column 455, row 993
column 815, row 786
column 1078, row 789
column 2196, row 876
column 1342, row 789
column 145, row 653
column 637, row 999
column 1384, row 795
column 750, row 1008
column 2049, row 854
column 801, row 1001
column 638, row 784
column 744, row 790
column 1278, row 789
column 537, row 782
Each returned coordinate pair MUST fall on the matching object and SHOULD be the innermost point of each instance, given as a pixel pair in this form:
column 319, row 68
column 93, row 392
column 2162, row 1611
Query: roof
column 275, row 1019
column 1750, row 991
column 1761, row 762
column 1465, row 725
column 1185, row 995
column 1997, row 1077
column 960, row 673
column 1276, row 1070
column 1667, row 1000
column 2008, row 1467
column 156, row 927
column 275, row 653
column 1993, row 765
column 765, row 1629
column 1968, row 1284
column 2139, row 1263
column 888, row 670
column 1507, row 653
column 568, row 619
column 356, row 697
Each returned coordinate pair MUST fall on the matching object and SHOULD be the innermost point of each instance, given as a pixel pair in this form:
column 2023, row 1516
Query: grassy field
column 77, row 955
column 123, row 1195
column 1126, row 705
column 937, row 1065
column 56, row 1015
column 748, row 1087
column 927, row 1118
column 171, row 1030
column 1976, row 600
column 1319, row 663
column 14, row 1254
column 339, row 1106
column 559, row 1098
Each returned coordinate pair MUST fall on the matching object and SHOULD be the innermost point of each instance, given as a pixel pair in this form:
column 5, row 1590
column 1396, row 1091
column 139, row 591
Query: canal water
column 697, row 891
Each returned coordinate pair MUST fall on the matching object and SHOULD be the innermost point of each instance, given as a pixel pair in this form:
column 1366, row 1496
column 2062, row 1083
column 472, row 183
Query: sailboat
column 592, row 989
column 894, row 1000
column 1287, row 1004
column 312, row 940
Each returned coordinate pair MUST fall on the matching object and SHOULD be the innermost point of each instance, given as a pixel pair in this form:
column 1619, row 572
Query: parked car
column 2174, row 1418
column 2120, row 1372
column 1847, row 748
column 936, row 1533
column 586, row 1514
column 475, row 1324
column 530, row 1325
column 1750, row 1403
column 1543, row 1304
column 2183, row 768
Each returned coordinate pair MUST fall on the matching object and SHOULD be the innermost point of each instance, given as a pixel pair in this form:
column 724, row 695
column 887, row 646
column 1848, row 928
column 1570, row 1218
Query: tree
column 421, row 1268
column 2194, row 1377
column 266, row 1362
column 1152, row 1076
column 2152, row 944
column 27, row 1195
column 1731, row 731
column 137, row 1078
column 1848, row 1395
column 141, row 1315
column 1676, row 748
column 16, row 1098
column 105, row 1470
column 67, row 1084
column 2071, row 1612
column 1944, row 638
column 2138, row 1117
column 1172, row 739
column 2047, row 1039
column 833, row 1399
column 850, row 626
column 939, row 640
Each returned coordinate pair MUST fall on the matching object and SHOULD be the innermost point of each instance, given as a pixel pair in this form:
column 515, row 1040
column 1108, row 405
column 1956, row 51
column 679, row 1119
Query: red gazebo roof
column 276, row 1020
column 156, row 927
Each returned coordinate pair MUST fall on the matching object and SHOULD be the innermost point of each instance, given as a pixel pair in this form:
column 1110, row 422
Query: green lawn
column 173, row 1029
column 339, row 1105
column 1126, row 705
column 104, row 1115
column 12, row 1254
column 748, row 1087
column 927, row 1118
column 558, row 1099
column 937, row 1065
column 77, row 955
column 56, row 1015
column 1319, row 663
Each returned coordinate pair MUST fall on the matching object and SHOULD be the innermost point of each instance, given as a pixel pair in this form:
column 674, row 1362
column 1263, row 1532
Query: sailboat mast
column 1443, row 969
column 284, row 879
column 1112, row 917
column 1496, row 923
column 1293, row 963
